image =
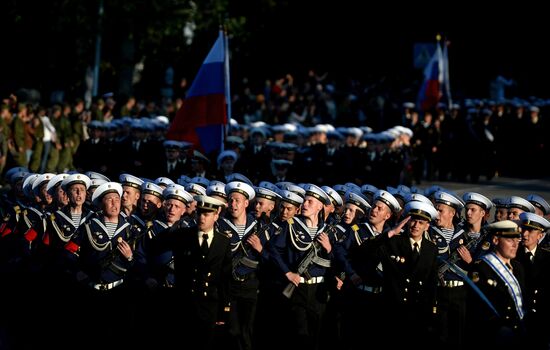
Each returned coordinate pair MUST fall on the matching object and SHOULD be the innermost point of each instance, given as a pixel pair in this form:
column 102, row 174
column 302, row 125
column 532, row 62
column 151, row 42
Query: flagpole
column 225, row 130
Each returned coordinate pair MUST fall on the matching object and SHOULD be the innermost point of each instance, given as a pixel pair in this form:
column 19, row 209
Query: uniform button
column 196, row 270
column 407, row 280
column 406, row 290
column 405, row 299
column 509, row 308
column 534, row 310
column 208, row 274
column 536, row 291
column 507, row 317
column 206, row 284
column 420, row 282
column 515, row 327
column 205, row 294
column 534, row 301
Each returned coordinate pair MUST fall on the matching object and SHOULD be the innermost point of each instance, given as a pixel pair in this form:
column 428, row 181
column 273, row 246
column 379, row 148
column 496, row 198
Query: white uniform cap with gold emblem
column 209, row 204
column 27, row 184
column 242, row 188
column 200, row 180
column 262, row 192
column 477, row 199
column 177, row 192
column 353, row 187
column 448, row 199
column 76, row 179
column 183, row 180
column 102, row 190
column 417, row 197
column 420, row 210
column 42, row 179
column 505, row 228
column 430, row 191
column 56, row 180
column 500, row 202
column 368, row 190
column 291, row 197
column 130, row 180
column 388, row 199
column 94, row 183
column 341, row 189
column 93, row 175
column 239, row 177
column 152, row 189
column 334, row 197
column 163, row 181
column 216, row 188
column 195, row 189
column 520, row 203
column 540, row 203
column 289, row 186
column 358, row 200
column 17, row 169
column 533, row 221
column 317, row 193
column 269, row 186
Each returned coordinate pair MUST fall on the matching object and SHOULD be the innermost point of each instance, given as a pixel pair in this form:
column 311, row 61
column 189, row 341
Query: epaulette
column 355, row 227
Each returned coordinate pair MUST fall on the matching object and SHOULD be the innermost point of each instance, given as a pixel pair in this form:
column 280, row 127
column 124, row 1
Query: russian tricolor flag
column 203, row 116
column 436, row 83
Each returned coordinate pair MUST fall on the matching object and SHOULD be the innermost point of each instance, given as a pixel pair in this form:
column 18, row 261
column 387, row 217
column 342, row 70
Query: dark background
column 48, row 45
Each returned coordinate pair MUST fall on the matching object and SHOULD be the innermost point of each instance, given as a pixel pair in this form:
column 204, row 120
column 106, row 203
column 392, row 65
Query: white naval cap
column 540, row 203
column 206, row 203
column 216, row 188
column 195, row 189
column 477, row 199
column 504, row 228
column 341, row 189
column 94, row 175
column 520, row 203
column 421, row 210
column 27, row 184
column 317, row 193
column 41, row 180
column 388, row 199
column 240, row 187
column 500, row 202
column 269, row 186
column 76, row 179
column 102, row 190
column 448, row 199
column 177, row 192
column 94, row 183
column 239, row 177
column 417, row 197
column 163, row 181
column 533, row 221
column 358, row 200
column 152, row 189
column 291, row 197
column 368, row 190
column 200, row 180
column 334, row 197
column 12, row 171
column 289, row 186
column 130, row 180
column 262, row 192
column 56, row 180
column 183, row 180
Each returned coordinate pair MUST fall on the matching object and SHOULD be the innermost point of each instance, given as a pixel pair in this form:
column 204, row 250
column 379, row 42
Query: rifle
column 263, row 224
column 455, row 256
column 311, row 256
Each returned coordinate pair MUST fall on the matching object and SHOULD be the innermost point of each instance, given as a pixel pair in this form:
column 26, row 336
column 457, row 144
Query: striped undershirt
column 312, row 232
column 76, row 219
column 111, row 228
column 447, row 233
column 240, row 230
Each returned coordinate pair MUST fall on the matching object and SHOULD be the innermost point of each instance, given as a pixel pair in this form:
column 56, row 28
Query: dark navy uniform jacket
column 95, row 254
